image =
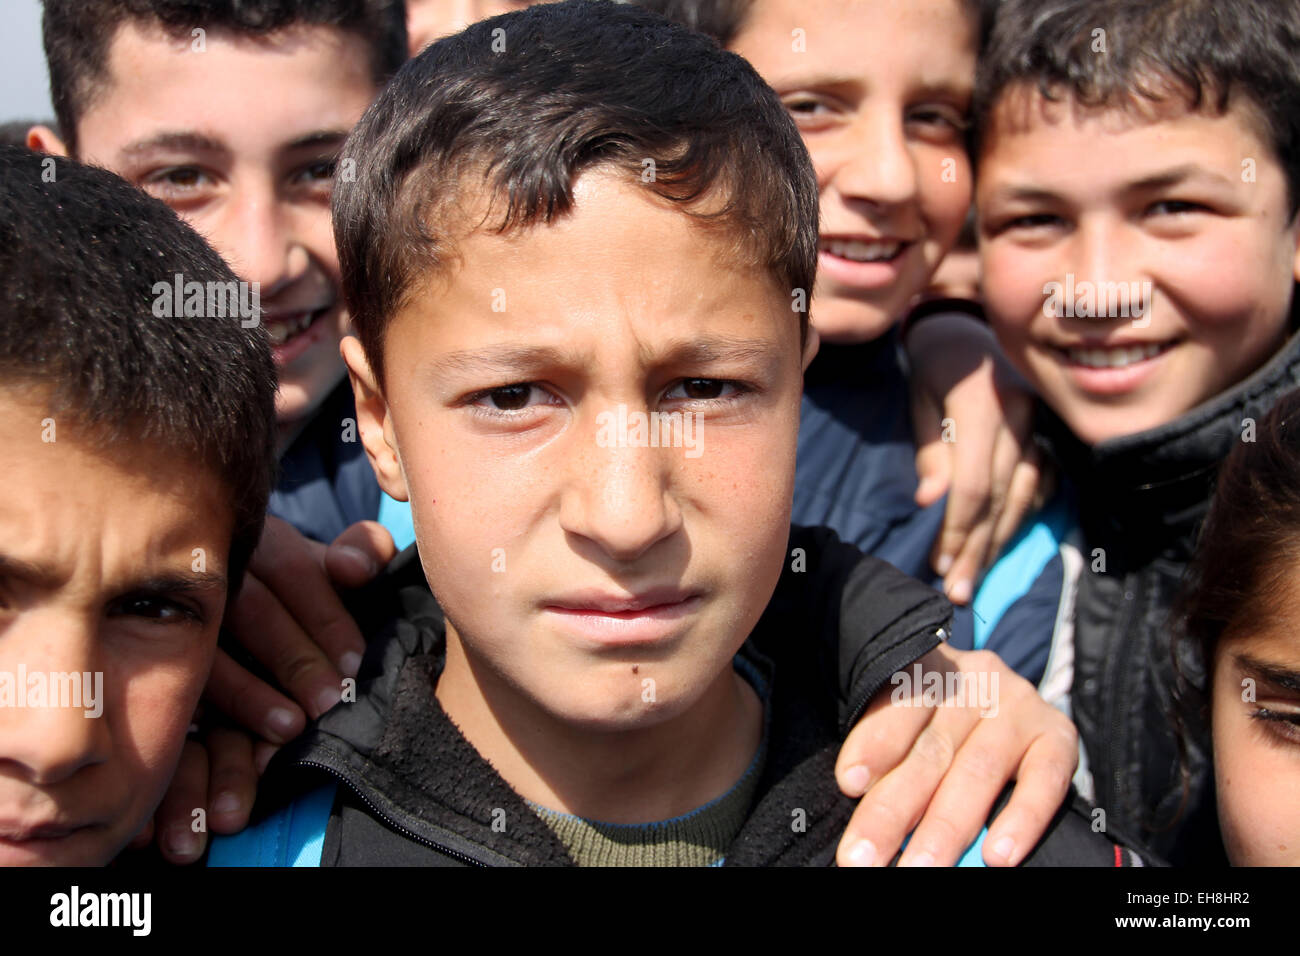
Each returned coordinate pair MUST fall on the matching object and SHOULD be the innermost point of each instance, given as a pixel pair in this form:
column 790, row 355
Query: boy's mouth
column 1120, row 356
column 862, row 250
column 285, row 327
column 613, row 619
column 1112, row 369
column 23, row 832
column 868, row 263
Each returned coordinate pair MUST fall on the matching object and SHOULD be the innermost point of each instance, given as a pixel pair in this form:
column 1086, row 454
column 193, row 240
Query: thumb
column 359, row 553
column 934, row 469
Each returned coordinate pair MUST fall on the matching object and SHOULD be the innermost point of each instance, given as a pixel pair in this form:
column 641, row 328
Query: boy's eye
column 1035, row 221
column 701, row 389
column 175, row 181
column 1174, row 207
column 1284, row 724
column 319, row 171
column 940, row 116
column 508, row 398
column 153, row 608
column 805, row 107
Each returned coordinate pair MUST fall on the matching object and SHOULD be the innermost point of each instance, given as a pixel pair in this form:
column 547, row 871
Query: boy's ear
column 810, row 346
column 373, row 421
column 42, row 139
column 1295, row 263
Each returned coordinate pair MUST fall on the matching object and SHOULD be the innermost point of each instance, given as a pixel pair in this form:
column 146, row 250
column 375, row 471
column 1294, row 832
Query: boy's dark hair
column 78, row 34
column 580, row 85
column 79, row 257
column 1249, row 547
column 1130, row 53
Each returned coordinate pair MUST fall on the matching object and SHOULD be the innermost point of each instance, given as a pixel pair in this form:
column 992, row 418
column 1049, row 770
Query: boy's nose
column 876, row 166
column 621, row 498
column 257, row 239
column 1100, row 255
column 49, row 728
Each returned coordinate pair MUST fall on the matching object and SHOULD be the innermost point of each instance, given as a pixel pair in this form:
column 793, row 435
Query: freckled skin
column 615, row 287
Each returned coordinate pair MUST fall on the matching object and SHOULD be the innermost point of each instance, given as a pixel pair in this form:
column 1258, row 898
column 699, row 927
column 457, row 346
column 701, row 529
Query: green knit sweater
column 698, row 838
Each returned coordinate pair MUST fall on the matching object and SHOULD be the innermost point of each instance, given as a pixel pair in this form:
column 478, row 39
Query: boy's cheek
column 151, row 723
column 945, row 190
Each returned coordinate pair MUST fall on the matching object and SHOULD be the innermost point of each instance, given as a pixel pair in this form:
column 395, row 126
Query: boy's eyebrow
column 46, row 578
column 181, row 141
column 1272, row 673
column 1029, row 194
column 829, row 80
column 1156, row 181
column 694, row 351
column 711, row 349
column 41, row 576
column 499, row 358
column 1175, row 176
column 322, row 137
column 179, row 582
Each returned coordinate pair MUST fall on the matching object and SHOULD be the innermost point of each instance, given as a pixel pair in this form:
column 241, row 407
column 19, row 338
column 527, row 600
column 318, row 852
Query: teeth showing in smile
column 282, row 330
column 859, row 251
column 1113, row 358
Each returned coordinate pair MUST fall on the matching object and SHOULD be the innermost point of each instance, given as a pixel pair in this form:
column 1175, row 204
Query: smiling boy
column 138, row 458
column 1153, row 145
column 233, row 114
column 592, row 677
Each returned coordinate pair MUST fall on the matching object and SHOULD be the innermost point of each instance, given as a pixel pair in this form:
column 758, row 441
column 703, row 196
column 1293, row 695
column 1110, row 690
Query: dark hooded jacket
column 1142, row 499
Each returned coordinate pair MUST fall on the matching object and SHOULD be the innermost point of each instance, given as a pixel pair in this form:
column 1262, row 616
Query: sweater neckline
column 699, row 837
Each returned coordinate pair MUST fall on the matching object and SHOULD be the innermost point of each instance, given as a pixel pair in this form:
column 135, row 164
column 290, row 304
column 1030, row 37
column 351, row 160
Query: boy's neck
column 637, row 776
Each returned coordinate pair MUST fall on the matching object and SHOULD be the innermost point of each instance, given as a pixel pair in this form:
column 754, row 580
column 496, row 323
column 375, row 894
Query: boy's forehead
column 128, row 506
column 1022, row 110
column 1028, row 133
column 218, row 82
column 620, row 253
column 835, row 40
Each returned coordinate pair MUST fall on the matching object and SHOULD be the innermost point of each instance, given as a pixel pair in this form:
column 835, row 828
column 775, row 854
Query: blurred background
column 24, row 88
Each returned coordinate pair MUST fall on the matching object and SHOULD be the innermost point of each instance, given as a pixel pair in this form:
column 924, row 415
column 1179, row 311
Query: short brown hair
column 78, row 33
column 1127, row 53
column 581, row 84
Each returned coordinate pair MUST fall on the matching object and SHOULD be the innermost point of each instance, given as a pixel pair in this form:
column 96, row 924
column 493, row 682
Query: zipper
column 1114, row 692
column 387, row 818
column 937, row 630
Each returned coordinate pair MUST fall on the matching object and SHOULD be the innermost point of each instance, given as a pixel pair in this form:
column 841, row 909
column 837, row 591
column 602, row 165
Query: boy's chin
column 608, row 707
column 298, row 397
column 841, row 321
column 1094, row 425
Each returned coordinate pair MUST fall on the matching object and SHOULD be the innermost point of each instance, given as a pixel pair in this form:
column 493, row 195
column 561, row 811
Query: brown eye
column 701, row 388
column 510, row 398
column 186, row 177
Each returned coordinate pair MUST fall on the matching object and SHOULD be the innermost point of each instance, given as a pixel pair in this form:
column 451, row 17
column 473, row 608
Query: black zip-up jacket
column 1142, row 499
column 417, row 793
